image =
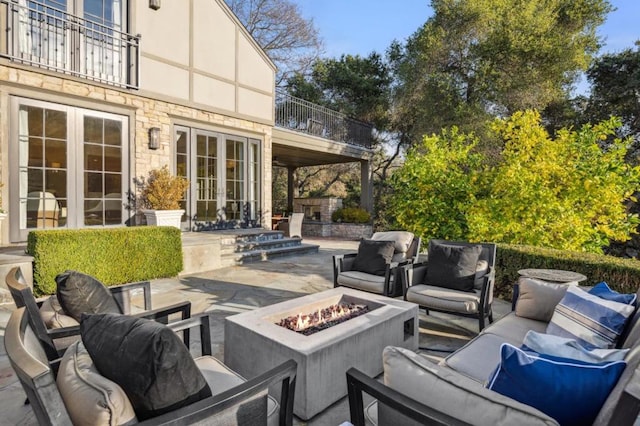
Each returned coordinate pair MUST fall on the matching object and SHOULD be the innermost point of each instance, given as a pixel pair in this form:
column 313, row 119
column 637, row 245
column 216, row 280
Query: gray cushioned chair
column 406, row 250
column 235, row 401
column 476, row 304
column 55, row 340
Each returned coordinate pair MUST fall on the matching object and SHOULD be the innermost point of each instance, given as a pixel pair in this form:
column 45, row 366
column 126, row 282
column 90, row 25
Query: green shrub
column 112, row 255
column 351, row 215
column 622, row 275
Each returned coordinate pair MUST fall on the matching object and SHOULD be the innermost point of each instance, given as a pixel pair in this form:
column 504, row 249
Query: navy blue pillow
column 603, row 291
column 570, row 391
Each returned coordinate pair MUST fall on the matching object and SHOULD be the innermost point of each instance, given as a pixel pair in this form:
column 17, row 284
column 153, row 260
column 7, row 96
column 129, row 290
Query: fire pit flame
column 323, row 318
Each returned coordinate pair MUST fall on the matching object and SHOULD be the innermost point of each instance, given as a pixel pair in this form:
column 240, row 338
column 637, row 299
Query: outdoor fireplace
column 255, row 342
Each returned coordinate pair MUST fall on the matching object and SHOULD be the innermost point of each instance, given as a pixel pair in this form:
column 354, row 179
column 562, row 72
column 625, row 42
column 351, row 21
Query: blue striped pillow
column 592, row 321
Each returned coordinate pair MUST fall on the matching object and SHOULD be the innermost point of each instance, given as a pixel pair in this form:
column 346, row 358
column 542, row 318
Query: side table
column 552, row 275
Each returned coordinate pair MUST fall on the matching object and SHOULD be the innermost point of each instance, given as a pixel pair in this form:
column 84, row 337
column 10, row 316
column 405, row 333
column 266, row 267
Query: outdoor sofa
column 418, row 391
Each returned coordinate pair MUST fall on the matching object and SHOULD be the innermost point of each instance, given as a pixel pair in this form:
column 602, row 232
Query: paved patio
column 236, row 289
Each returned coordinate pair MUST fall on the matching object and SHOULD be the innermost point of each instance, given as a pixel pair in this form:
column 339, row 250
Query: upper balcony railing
column 43, row 36
column 305, row 117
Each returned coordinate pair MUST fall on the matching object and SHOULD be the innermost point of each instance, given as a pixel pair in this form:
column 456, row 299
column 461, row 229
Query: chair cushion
column 514, row 328
column 443, row 298
column 603, row 291
column 401, row 239
column 572, row 392
column 80, row 293
column 373, row 256
column 592, row 321
column 54, row 316
column 90, row 398
column 452, row 266
column 537, row 299
column 451, row 393
column 221, row 378
column 362, row 281
column 146, row 359
column 482, row 267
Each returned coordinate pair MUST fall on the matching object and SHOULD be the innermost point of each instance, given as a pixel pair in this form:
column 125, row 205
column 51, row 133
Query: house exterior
column 96, row 93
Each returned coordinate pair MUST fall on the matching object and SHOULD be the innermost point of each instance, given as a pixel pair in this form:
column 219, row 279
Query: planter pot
column 163, row 217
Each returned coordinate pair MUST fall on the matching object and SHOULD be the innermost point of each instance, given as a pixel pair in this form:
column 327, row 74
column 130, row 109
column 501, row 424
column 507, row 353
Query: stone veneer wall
column 347, row 231
column 327, row 206
column 148, row 112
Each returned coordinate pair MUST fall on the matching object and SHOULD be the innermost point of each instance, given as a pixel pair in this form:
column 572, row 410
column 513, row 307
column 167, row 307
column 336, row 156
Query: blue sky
column 363, row 26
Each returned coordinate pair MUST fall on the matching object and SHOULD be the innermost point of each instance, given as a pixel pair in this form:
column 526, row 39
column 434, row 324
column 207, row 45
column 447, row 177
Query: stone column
column 291, row 176
column 366, row 184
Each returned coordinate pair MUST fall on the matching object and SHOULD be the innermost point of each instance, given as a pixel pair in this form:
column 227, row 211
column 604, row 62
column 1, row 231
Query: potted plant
column 160, row 196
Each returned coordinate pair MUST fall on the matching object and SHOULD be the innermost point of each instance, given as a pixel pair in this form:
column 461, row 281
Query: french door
column 68, row 169
column 223, row 171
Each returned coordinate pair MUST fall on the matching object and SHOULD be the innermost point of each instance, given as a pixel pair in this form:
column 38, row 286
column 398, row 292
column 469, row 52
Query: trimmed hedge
column 112, row 255
column 622, row 275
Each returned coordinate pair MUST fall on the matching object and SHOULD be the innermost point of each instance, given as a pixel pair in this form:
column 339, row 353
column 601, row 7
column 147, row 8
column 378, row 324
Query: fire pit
column 323, row 318
column 255, row 341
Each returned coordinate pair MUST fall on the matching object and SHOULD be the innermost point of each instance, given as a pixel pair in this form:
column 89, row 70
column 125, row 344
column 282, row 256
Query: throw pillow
column 80, row 293
column 537, row 299
column 452, row 266
column 563, row 347
column 90, row 398
column 401, row 239
column 373, row 256
column 570, row 391
column 147, row 359
column 592, row 321
column 603, row 291
column 482, row 267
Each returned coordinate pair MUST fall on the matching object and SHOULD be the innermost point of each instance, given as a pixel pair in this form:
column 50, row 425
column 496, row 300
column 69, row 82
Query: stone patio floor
column 236, row 289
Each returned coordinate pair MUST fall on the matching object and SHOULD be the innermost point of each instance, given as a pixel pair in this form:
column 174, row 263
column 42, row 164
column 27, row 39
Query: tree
column 615, row 90
column 479, row 59
column 566, row 192
column 292, row 42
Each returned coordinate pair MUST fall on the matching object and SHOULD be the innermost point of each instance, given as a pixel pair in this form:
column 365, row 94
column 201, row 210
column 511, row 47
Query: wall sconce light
column 154, row 138
column 154, row 4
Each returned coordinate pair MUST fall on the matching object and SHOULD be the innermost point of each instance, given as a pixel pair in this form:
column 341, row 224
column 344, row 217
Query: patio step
column 270, row 252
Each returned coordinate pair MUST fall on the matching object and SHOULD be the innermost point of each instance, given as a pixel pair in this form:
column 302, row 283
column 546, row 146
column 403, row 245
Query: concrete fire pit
column 254, row 343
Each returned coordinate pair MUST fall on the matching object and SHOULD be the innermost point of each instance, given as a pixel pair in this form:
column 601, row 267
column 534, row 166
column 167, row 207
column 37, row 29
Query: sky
column 363, row 26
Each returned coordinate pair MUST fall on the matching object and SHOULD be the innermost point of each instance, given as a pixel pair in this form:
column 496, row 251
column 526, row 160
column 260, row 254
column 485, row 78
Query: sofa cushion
column 630, row 377
column 603, row 291
column 80, row 293
column 479, row 358
column 146, row 359
column 449, row 392
column 373, row 257
column 563, row 347
column 537, row 299
column 90, row 398
column 482, row 268
column 592, row 321
column 513, row 328
column 452, row 266
column 443, row 298
column 54, row 316
column 572, row 392
column 363, row 281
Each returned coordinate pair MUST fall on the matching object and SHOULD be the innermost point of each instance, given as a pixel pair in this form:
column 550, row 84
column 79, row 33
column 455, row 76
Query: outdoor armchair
column 55, row 340
column 348, row 270
column 233, row 398
column 435, row 292
column 292, row 227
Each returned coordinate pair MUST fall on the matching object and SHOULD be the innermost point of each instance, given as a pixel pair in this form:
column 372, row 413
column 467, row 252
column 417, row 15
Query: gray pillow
column 373, row 256
column 80, row 293
column 537, row 299
column 452, row 266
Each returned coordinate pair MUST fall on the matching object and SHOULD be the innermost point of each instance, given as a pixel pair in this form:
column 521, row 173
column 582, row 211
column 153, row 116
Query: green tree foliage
column 436, row 186
column 566, row 192
column 480, row 59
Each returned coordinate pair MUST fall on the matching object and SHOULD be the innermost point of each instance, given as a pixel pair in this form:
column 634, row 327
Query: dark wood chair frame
column 344, row 262
column 416, row 272
column 23, row 297
column 40, row 386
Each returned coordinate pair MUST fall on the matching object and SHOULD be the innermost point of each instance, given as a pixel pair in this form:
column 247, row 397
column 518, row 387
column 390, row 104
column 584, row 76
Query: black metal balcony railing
column 43, row 36
column 305, row 117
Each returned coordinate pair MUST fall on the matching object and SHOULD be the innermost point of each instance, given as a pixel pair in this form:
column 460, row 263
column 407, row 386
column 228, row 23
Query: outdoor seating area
column 404, row 361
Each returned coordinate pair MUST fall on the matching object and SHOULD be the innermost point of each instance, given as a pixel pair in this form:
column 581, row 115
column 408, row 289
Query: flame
column 322, row 316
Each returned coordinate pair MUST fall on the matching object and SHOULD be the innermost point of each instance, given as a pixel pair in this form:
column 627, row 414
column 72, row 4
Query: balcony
column 305, row 117
column 45, row 37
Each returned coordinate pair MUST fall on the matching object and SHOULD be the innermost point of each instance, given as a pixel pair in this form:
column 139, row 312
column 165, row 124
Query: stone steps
column 266, row 254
